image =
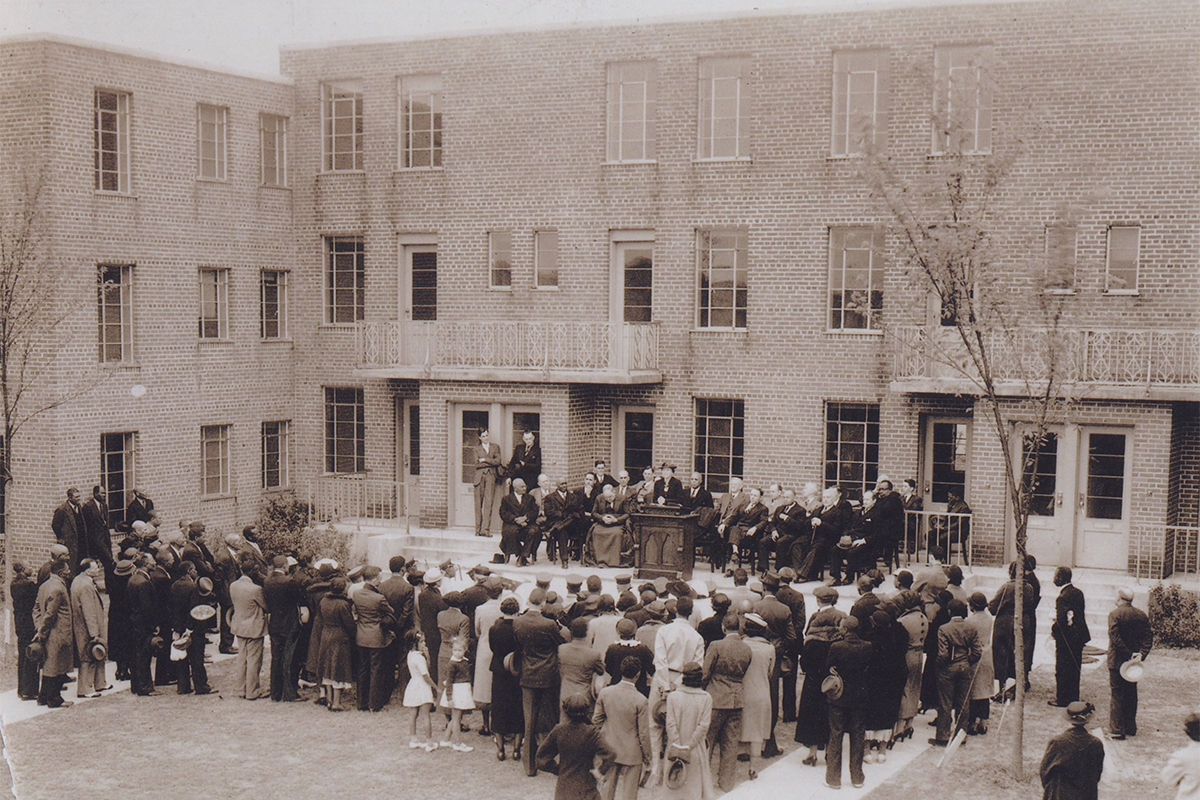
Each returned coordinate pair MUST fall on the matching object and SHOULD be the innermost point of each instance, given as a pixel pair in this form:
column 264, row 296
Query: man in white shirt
column 675, row 644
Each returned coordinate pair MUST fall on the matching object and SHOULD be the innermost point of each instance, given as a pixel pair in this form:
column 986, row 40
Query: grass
column 979, row 769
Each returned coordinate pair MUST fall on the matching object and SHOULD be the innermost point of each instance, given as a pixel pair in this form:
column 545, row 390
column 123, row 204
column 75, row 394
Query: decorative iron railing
column 1169, row 358
column 494, row 344
column 339, row 498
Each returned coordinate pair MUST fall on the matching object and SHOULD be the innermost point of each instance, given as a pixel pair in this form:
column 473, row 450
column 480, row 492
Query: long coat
column 52, row 615
column 756, row 691
column 983, row 684
column 508, row 714
column 87, row 615
column 485, row 616
column 1072, row 766
column 1003, row 642
column 68, row 526
column 689, row 713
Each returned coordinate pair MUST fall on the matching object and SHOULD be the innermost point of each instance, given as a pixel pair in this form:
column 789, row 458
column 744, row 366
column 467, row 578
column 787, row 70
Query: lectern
column 666, row 537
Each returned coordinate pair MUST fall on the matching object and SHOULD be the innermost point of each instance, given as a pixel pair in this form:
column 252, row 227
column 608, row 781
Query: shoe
column 69, row 678
column 829, row 785
column 753, row 774
column 27, row 697
column 869, row 758
column 485, row 731
column 91, row 696
column 881, row 757
column 430, row 747
column 415, row 745
column 1117, row 737
column 445, row 744
column 743, row 757
column 938, row 742
column 322, row 701
column 210, row 690
column 151, row 693
column 461, row 748
column 809, row 761
column 857, row 785
column 771, row 751
column 184, row 691
column 463, row 727
column 229, row 651
column 64, row 704
column 1056, row 704
column 104, row 688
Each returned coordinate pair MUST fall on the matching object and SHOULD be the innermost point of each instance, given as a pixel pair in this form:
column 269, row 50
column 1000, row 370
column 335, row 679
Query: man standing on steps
column 487, row 466
column 1070, row 631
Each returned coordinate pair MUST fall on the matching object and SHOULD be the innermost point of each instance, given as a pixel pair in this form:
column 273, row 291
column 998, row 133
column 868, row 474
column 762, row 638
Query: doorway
column 418, row 297
column 507, row 423
column 408, row 455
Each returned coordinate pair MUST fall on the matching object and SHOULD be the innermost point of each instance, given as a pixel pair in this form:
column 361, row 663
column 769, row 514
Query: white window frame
column 281, row 436
column 1109, row 289
column 116, row 512
column 500, row 245
column 700, row 456
column 850, row 132
column 631, row 108
column 545, row 250
column 214, row 454
column 870, row 468
column 112, row 122
column 709, row 242
column 1056, row 254
column 718, row 79
column 272, row 137
column 122, row 309
column 425, row 88
column 838, row 236
column 333, row 292
column 280, row 278
column 212, row 131
column 962, row 73
column 338, row 146
column 620, row 429
column 216, row 279
column 331, row 406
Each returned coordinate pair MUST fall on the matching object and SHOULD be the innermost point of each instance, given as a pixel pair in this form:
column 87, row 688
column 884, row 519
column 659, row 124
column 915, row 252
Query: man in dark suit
column 190, row 673
column 667, row 488
column 69, row 527
column 284, row 596
column 958, row 650
column 538, row 638
column 1129, row 638
column 1070, row 632
column 225, row 572
column 561, row 515
column 851, row 658
column 97, row 540
column 602, row 476
column 830, row 523
column 526, row 461
column 887, row 522
column 376, row 621
column 696, row 496
column 429, row 604
column 140, row 508
column 196, row 551
column 781, row 633
column 794, row 600
column 777, row 536
column 749, row 524
column 401, row 597
column 732, row 503
column 143, row 625
column 518, row 512
column 487, row 459
column 1074, row 760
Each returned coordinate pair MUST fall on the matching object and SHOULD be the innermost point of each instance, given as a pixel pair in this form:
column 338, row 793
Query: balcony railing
column 454, row 348
column 1151, row 359
column 1186, row 539
column 356, row 498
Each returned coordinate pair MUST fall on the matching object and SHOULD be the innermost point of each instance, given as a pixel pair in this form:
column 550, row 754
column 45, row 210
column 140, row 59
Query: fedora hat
column 1132, row 670
column 677, row 774
column 510, row 664
column 35, row 652
column 97, row 650
column 203, row 613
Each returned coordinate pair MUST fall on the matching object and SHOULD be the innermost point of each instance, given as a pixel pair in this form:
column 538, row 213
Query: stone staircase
column 380, row 541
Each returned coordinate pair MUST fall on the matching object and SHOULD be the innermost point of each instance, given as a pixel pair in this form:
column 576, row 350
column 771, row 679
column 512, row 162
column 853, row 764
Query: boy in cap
column 577, row 744
column 1074, row 759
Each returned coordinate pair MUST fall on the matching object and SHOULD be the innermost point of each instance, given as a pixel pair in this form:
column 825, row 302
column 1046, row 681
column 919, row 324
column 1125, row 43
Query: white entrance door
column 418, row 300
column 408, row 456
column 631, row 279
column 506, row 423
column 1049, row 532
column 1104, row 478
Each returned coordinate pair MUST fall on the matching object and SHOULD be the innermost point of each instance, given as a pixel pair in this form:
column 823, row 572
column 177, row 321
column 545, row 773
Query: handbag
column 833, row 686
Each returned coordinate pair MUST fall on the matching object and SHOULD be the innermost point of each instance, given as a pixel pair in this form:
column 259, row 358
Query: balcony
column 1096, row 364
column 493, row 350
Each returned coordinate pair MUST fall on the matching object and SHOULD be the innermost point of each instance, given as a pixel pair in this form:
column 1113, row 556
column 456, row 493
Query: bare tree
column 985, row 321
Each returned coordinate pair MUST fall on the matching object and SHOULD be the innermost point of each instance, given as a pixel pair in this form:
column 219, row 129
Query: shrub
column 283, row 529
column 1174, row 616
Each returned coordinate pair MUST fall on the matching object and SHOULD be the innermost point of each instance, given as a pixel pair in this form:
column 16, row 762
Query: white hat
column 433, row 575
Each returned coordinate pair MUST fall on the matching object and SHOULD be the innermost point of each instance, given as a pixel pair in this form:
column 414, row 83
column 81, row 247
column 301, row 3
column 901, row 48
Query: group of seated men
column 809, row 532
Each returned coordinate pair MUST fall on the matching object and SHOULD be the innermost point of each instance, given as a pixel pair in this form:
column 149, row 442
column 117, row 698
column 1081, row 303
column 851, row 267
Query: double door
column 506, row 424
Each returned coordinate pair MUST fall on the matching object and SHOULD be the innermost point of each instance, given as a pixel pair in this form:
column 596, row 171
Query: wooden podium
column 666, row 538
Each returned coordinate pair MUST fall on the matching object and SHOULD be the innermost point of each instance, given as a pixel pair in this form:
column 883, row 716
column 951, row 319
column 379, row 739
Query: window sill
column 856, row 332
column 733, row 160
column 115, row 195
column 277, row 490
column 409, row 170
column 337, row 326
column 220, row 340
column 507, row 289
column 119, row 366
column 1121, row 293
column 740, row 331
column 275, row 186
column 362, row 474
column 275, row 340
column 201, row 179
column 545, row 288
column 205, row 498
column 639, row 162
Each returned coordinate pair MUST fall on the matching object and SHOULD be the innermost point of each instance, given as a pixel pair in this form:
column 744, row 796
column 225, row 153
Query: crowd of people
column 672, row 682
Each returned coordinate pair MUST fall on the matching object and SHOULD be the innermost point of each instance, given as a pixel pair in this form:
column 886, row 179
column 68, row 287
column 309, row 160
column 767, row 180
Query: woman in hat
column 508, row 716
column 338, row 632
column 689, row 712
column 577, row 744
column 889, row 671
column 812, row 716
column 317, row 591
column 756, row 689
column 916, row 627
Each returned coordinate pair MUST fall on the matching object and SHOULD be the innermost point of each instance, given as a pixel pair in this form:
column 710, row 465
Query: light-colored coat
column 983, row 684
column 689, row 713
column 52, row 615
column 622, row 713
column 249, row 609
column 485, row 616
column 87, row 614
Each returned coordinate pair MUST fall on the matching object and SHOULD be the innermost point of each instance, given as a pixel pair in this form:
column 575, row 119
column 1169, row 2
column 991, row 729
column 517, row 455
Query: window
column 342, row 122
column 421, row 121
column 635, row 440
column 720, row 441
column 116, row 473
column 500, row 260
column 721, row 264
column 272, row 130
column 214, row 303
column 632, row 99
column 724, row 108
column 114, row 311
column 274, row 454
column 633, row 275
column 210, row 141
column 851, row 447
column 962, row 102
column 345, row 280
column 1121, row 276
column 345, row 431
column 859, row 101
column 1060, row 258
column 112, row 141
column 214, row 460
column 1040, row 457
column 545, row 269
column 856, row 279
column 273, row 285
column 948, row 457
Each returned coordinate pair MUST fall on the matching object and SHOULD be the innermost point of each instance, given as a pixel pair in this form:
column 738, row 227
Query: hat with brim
column 1132, row 670
column 203, row 613
column 124, row 567
column 680, row 589
column 846, row 542
column 205, row 587
column 677, row 774
column 98, row 651
column 510, row 664
column 179, row 647
column 1079, row 712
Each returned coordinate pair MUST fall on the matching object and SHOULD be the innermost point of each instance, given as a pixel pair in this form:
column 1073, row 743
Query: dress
column 1003, row 605
column 508, row 714
column 485, row 616
column 418, row 692
column 689, row 712
column 337, row 642
column 756, row 691
column 888, row 671
column 456, row 685
column 606, row 539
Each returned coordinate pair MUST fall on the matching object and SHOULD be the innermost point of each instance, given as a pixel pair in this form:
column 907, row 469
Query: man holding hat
column 1129, row 642
column 851, row 658
column 538, row 638
column 191, row 674
column 1070, row 632
column 91, row 627
column 1074, row 759
column 143, row 626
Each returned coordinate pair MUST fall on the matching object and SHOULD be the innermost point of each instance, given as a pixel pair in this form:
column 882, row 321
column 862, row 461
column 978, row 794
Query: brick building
column 645, row 243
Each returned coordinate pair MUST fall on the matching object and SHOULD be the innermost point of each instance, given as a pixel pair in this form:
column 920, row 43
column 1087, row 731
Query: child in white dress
column 418, row 694
column 456, row 695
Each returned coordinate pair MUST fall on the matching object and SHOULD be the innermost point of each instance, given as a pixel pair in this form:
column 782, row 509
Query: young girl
column 456, row 695
column 418, row 694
